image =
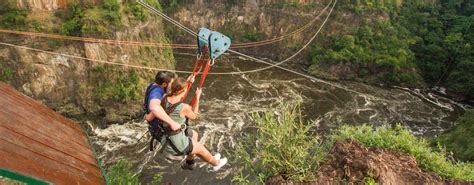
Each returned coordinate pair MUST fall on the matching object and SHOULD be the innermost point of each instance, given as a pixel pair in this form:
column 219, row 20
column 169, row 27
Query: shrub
column 111, row 11
column 460, row 139
column 73, row 23
column 136, row 11
column 97, row 20
column 11, row 16
column 121, row 174
column 112, row 84
column 282, row 145
column 401, row 139
column 6, row 73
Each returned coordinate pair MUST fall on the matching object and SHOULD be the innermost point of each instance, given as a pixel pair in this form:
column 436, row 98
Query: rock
column 350, row 163
column 36, row 5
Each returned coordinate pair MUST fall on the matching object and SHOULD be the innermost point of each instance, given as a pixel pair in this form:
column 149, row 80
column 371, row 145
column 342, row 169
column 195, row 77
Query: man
column 155, row 92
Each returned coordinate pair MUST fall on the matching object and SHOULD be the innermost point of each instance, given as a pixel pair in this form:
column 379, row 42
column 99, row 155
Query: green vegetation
column 293, row 5
column 121, row 174
column 136, row 10
column 97, row 20
column 397, row 40
column 283, row 145
column 73, row 23
column 242, row 32
column 11, row 17
column 254, row 36
column 460, row 139
column 6, row 73
column 155, row 4
column 113, row 84
column 369, row 180
column 382, row 45
column 173, row 5
column 401, row 139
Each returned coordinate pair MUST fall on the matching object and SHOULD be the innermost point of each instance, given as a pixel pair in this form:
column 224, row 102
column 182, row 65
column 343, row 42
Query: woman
column 185, row 141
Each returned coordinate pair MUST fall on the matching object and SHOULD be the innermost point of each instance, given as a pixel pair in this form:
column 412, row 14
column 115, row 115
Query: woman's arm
column 160, row 113
column 192, row 112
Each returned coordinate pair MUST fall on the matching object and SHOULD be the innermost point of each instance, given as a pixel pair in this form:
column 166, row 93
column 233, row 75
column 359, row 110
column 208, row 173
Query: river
column 228, row 102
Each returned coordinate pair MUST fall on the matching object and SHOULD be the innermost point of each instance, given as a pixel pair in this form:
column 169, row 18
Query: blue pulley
column 202, row 38
column 218, row 44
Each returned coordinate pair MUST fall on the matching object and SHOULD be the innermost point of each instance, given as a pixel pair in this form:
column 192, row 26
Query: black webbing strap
column 150, row 88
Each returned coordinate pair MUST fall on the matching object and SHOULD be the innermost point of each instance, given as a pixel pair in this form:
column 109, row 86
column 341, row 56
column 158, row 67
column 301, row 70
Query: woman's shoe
column 222, row 162
column 217, row 156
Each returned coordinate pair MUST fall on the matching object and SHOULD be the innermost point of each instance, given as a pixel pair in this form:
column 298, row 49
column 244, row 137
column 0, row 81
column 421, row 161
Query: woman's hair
column 178, row 86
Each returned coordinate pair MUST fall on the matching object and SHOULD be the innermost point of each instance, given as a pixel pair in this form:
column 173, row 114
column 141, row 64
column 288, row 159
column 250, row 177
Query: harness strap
column 199, row 62
column 152, row 145
column 149, row 89
column 203, row 77
column 171, row 108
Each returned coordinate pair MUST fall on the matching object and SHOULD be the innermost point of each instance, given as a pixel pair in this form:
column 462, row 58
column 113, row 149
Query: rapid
column 228, row 102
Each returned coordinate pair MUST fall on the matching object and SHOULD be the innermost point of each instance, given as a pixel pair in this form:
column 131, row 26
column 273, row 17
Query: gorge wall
column 250, row 21
column 77, row 87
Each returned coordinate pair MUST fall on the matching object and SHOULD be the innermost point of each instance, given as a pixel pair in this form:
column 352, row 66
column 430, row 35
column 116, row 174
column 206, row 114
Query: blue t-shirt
column 156, row 92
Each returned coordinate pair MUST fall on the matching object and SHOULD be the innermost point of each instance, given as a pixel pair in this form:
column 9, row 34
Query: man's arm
column 160, row 113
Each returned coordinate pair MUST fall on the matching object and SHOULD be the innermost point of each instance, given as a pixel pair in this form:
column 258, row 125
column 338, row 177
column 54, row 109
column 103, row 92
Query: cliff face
column 78, row 87
column 49, row 5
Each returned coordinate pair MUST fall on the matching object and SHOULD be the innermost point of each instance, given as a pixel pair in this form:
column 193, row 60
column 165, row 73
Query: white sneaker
column 217, row 156
column 222, row 162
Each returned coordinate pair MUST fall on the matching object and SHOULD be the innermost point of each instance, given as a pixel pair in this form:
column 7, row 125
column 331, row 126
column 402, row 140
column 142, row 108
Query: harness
column 159, row 131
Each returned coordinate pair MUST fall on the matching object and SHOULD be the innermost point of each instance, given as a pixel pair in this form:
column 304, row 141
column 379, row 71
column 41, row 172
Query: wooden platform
column 39, row 143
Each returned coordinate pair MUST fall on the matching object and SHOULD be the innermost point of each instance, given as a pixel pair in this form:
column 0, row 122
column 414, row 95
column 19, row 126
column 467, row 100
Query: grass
column 460, row 139
column 282, row 145
column 121, row 174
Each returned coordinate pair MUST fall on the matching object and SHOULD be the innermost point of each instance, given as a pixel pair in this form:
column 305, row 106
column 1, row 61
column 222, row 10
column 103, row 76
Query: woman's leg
column 203, row 153
column 195, row 135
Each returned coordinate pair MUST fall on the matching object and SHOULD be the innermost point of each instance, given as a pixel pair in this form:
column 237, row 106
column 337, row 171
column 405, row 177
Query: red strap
column 196, row 64
column 203, row 77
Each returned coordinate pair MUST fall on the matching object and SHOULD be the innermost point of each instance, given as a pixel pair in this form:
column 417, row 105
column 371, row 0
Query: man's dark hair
column 164, row 77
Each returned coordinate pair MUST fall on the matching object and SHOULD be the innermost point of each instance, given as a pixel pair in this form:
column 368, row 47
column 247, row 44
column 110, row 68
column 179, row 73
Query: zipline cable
column 94, row 60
